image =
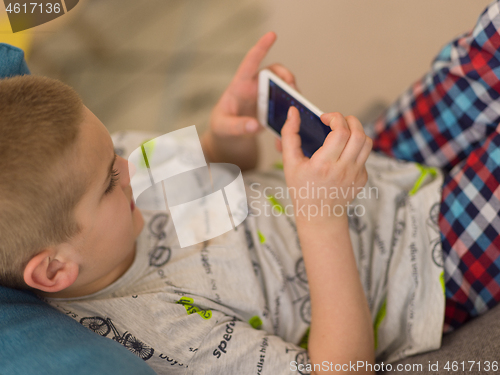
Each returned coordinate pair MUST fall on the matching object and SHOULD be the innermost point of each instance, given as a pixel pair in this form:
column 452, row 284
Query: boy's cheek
column 117, row 209
column 139, row 221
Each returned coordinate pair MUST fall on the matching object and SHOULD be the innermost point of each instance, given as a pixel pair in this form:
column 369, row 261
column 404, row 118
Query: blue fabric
column 12, row 61
column 36, row 339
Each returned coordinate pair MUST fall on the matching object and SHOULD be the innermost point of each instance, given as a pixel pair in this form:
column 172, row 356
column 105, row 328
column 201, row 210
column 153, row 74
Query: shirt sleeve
column 442, row 117
column 234, row 347
column 470, row 234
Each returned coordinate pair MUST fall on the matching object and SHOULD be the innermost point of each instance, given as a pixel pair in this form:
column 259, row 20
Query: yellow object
column 255, row 322
column 22, row 39
column 304, row 341
column 262, row 238
column 191, row 309
column 278, row 165
column 424, row 172
column 147, row 147
column 378, row 320
column 276, row 205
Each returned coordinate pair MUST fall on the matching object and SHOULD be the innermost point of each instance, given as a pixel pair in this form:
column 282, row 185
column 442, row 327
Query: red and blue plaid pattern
column 450, row 119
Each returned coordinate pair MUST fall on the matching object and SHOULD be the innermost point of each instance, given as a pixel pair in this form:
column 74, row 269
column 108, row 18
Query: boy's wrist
column 307, row 219
column 240, row 150
column 321, row 211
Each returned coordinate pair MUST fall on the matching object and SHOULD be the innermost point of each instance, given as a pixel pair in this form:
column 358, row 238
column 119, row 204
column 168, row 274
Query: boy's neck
column 95, row 286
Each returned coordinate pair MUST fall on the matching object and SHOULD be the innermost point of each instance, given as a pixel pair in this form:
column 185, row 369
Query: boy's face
column 105, row 248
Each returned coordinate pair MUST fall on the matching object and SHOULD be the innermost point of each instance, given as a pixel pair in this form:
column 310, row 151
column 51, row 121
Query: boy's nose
column 123, row 165
column 131, row 169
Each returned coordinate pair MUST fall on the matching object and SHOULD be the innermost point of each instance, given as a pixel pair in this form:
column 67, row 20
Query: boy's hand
column 235, row 113
column 233, row 122
column 337, row 335
column 339, row 163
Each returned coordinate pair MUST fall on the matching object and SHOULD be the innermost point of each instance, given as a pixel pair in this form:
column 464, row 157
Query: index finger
column 251, row 62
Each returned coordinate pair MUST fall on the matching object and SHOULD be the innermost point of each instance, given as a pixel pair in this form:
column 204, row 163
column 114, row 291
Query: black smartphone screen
column 312, row 131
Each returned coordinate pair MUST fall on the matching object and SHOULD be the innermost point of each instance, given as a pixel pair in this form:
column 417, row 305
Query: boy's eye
column 114, row 180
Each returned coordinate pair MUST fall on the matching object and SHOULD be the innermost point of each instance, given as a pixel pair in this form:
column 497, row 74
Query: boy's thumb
column 290, row 137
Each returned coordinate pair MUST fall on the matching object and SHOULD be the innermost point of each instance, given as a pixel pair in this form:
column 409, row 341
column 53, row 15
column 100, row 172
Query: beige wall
column 346, row 53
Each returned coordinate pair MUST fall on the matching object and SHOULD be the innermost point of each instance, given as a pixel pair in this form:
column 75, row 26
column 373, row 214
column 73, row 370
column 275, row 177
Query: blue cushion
column 36, row 338
column 12, row 61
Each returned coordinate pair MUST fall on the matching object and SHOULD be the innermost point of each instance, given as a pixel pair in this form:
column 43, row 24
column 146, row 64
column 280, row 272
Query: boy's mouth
column 132, row 205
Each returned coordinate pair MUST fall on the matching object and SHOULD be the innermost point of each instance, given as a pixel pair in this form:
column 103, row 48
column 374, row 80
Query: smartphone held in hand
column 275, row 98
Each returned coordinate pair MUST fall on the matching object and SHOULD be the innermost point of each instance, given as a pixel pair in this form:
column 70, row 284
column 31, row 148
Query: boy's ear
column 46, row 272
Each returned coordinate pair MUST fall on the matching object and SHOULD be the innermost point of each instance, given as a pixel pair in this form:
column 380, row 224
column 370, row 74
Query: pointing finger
column 251, row 62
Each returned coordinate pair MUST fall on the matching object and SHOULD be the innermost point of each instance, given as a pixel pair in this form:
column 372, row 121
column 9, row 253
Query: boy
column 241, row 302
column 80, row 244
column 340, row 330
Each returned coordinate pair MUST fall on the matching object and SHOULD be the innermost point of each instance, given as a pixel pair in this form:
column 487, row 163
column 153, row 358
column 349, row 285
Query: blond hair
column 39, row 124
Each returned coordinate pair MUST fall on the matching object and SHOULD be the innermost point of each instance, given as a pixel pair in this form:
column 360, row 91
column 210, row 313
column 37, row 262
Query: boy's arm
column 341, row 327
column 231, row 137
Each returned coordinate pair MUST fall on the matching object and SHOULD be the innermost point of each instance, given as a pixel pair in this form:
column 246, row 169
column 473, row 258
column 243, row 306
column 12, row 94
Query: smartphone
column 275, row 97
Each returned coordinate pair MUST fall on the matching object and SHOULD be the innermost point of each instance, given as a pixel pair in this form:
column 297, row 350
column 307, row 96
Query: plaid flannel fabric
column 450, row 119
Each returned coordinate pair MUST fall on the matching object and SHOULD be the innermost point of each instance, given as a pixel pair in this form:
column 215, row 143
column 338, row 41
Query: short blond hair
column 39, row 124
